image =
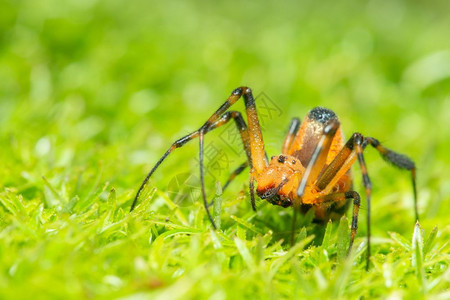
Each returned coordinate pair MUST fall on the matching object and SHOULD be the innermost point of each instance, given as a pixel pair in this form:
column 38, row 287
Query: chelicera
column 313, row 170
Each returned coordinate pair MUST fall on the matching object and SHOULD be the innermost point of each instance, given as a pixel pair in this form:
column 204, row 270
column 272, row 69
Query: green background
column 93, row 92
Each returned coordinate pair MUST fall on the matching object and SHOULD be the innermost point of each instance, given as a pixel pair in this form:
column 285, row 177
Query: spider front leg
column 340, row 199
column 353, row 150
column 224, row 119
column 251, row 136
column 400, row 161
column 254, row 147
column 318, row 157
column 243, row 130
column 315, row 164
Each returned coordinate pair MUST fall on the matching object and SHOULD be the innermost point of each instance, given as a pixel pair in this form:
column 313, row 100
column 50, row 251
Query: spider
column 313, row 170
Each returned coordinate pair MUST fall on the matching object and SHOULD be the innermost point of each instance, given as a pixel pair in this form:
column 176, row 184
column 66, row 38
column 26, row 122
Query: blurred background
column 117, row 82
column 98, row 90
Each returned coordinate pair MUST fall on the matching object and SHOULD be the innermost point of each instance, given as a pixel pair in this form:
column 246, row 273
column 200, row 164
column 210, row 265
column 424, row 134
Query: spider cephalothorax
column 278, row 183
column 313, row 169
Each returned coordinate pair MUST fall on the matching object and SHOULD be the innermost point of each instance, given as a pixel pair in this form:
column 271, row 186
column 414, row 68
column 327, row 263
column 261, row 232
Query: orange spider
column 313, row 170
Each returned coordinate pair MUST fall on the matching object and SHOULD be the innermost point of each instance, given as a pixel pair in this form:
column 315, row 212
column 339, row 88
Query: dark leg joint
column 374, row 142
column 355, row 139
column 237, row 91
column 353, row 195
column 248, row 97
column 247, row 90
column 180, row 142
column 252, row 194
column 239, row 120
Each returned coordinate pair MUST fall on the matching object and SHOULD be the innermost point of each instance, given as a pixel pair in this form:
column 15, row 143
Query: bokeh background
column 93, row 92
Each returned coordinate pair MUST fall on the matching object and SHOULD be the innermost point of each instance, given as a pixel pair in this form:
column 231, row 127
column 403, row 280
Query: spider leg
column 353, row 150
column 368, row 187
column 318, row 157
column 292, row 131
column 243, row 130
column 315, row 165
column 339, row 166
column 254, row 146
column 202, row 180
column 235, row 173
column 255, row 151
column 400, row 161
column 340, row 200
column 177, row 144
column 224, row 119
column 294, row 221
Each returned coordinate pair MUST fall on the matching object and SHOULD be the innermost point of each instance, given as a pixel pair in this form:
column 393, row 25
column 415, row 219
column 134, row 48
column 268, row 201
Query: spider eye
column 281, row 159
column 272, row 157
column 293, row 162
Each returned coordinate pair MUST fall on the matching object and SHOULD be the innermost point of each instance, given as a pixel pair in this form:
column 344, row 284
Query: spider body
column 279, row 182
column 313, row 170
